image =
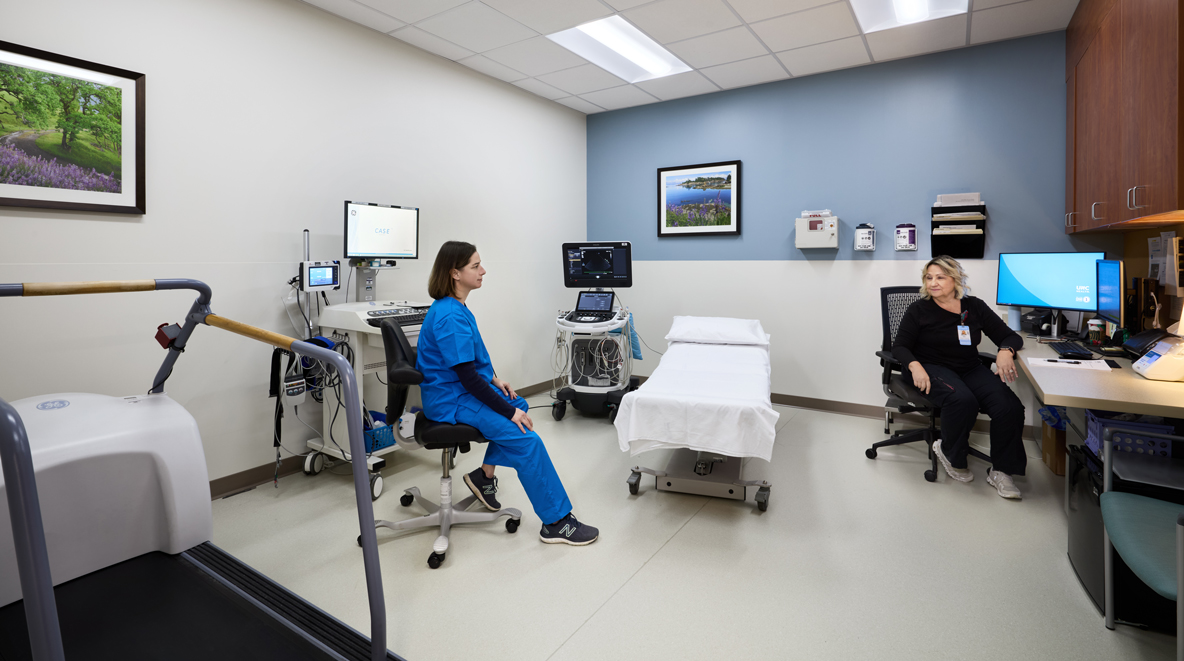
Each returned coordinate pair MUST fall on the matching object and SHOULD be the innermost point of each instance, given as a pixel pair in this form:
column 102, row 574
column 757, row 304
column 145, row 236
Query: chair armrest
column 887, row 357
column 988, row 359
column 890, row 364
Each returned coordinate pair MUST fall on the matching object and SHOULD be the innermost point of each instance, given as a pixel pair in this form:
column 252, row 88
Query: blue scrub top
column 449, row 337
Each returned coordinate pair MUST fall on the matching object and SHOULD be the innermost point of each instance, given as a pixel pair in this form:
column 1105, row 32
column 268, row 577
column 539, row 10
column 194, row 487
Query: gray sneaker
column 484, row 488
column 960, row 474
column 568, row 531
column 1003, row 484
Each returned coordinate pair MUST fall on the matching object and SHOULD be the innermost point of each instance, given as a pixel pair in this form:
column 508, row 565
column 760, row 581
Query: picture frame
column 71, row 133
column 699, row 200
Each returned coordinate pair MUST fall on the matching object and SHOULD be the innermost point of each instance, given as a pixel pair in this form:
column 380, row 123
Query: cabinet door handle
column 1130, row 195
column 1135, row 200
column 1093, row 211
column 1069, row 224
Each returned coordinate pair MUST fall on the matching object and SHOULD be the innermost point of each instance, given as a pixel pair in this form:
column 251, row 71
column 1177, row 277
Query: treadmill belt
column 156, row 606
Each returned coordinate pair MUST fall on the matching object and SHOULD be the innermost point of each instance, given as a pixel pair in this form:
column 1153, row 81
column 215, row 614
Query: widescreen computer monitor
column 1050, row 280
column 376, row 231
column 1110, row 290
column 598, row 264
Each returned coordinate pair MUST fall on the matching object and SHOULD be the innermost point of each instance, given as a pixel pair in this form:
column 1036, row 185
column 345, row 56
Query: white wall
column 823, row 315
column 262, row 117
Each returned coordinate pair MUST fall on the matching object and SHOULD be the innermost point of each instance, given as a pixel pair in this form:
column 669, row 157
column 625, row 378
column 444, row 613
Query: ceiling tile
column 758, row 10
column 832, row 55
column 412, row 10
column 918, row 38
column 747, row 72
column 1020, row 19
column 625, row 96
column 813, row 26
column 579, row 80
column 576, row 103
column 535, row 57
column 358, row 13
column 476, row 27
column 542, row 89
column 547, row 16
column 987, row 4
column 679, row 85
column 675, row 20
column 431, row 43
column 491, row 68
column 622, row 5
column 718, row 48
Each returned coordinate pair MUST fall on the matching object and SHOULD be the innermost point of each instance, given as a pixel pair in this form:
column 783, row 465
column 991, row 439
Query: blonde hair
column 953, row 269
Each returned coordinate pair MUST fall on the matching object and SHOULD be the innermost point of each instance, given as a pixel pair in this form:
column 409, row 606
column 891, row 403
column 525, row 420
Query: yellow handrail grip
column 265, row 336
column 98, row 287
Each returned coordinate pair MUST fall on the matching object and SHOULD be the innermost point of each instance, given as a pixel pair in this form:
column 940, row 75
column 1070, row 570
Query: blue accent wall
column 874, row 144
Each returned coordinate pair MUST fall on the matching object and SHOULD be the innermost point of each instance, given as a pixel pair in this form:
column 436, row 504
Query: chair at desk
column 1149, row 535
column 903, row 397
column 401, row 374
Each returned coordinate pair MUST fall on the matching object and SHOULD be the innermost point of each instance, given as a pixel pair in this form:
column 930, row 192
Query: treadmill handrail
column 28, row 530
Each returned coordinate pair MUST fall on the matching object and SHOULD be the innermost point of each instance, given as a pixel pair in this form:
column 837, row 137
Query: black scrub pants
column 961, row 397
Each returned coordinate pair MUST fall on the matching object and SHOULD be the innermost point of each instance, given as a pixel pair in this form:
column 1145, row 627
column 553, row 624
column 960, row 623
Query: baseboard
column 253, row 477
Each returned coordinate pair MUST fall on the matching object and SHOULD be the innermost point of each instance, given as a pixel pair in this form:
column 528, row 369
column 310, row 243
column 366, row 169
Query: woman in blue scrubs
column 459, row 387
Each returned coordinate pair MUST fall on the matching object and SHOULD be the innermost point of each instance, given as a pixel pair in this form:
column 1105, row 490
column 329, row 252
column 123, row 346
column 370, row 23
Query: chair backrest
column 893, row 302
column 400, row 368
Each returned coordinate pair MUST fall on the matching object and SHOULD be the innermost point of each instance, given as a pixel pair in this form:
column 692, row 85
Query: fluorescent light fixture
column 910, row 11
column 614, row 45
column 876, row 15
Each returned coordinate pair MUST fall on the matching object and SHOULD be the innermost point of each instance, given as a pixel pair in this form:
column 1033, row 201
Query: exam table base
column 703, row 474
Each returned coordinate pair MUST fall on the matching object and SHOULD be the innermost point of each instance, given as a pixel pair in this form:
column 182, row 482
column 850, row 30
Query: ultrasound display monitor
column 375, row 231
column 1110, row 290
column 598, row 264
column 1050, row 280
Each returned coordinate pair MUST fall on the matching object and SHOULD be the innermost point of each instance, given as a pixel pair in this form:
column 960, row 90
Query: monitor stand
column 1054, row 329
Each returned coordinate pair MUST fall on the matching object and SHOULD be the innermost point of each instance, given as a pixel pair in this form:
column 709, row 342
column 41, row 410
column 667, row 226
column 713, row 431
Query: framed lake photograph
column 694, row 200
column 71, row 133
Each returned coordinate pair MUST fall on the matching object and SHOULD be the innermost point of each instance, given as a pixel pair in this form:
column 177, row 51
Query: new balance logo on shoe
column 490, row 490
column 567, row 530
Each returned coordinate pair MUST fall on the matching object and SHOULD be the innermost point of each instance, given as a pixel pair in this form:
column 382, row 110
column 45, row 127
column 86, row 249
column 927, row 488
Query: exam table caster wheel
column 512, row 525
column 314, row 463
column 612, row 414
column 871, row 453
column 633, row 481
column 762, row 498
column 930, row 476
column 435, row 559
column 558, row 409
column 375, row 486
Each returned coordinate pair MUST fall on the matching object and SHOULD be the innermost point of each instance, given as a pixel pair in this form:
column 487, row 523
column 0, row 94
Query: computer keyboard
column 1071, row 350
column 401, row 316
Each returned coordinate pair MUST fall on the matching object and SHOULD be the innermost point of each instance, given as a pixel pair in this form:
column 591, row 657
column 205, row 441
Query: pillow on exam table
column 717, row 330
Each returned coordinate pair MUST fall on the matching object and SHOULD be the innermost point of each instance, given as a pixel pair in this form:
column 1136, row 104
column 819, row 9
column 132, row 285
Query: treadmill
column 200, row 603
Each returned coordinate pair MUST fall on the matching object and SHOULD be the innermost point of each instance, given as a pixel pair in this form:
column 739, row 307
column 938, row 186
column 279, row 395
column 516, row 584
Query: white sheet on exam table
column 706, row 397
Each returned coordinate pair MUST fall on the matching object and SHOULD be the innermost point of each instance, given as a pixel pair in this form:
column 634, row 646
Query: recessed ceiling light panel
column 615, row 45
column 876, row 15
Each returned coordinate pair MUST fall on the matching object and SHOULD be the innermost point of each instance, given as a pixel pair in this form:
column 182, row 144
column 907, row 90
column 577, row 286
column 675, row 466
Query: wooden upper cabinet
column 1123, row 150
column 1151, row 109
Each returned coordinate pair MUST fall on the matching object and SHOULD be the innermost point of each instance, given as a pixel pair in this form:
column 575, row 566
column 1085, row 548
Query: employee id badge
column 964, row 335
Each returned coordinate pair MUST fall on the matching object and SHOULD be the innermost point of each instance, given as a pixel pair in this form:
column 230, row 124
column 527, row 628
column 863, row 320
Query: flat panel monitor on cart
column 376, row 231
column 598, row 264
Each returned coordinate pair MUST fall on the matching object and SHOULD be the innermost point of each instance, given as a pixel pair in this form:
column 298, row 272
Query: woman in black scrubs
column 938, row 343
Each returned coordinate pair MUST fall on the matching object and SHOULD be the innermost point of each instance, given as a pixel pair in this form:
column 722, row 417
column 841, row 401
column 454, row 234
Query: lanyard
column 962, row 319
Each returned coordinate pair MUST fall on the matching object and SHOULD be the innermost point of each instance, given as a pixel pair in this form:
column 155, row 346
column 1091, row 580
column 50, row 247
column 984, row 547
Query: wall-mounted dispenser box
column 817, row 232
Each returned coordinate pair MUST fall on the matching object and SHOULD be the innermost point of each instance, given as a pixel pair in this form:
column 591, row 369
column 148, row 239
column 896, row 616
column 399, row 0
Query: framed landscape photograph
column 694, row 200
column 71, row 133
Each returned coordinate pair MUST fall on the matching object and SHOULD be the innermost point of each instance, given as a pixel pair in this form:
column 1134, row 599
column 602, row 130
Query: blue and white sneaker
column 568, row 531
column 484, row 488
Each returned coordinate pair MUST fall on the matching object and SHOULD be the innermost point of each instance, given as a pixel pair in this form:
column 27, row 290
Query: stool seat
column 441, row 435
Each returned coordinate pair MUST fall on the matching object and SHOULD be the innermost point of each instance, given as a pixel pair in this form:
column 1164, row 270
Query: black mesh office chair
column 401, row 374
column 903, row 397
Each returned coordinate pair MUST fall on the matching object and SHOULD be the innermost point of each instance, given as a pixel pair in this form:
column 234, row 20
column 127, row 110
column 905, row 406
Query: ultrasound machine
column 593, row 355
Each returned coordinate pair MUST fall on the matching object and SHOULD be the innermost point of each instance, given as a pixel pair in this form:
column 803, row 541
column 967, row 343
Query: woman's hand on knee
column 920, row 377
column 522, row 419
column 504, row 386
column 1005, row 366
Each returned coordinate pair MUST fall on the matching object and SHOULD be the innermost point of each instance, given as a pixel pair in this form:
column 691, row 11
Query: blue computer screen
column 1110, row 290
column 1056, row 280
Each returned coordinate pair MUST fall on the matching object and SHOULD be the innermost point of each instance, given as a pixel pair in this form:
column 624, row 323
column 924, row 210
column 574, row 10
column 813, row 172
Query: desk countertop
column 1117, row 390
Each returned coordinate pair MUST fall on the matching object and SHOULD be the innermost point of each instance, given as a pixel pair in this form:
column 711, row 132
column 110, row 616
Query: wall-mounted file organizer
column 960, row 232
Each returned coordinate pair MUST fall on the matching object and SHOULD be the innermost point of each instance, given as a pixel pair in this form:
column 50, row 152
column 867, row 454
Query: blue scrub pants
column 525, row 453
